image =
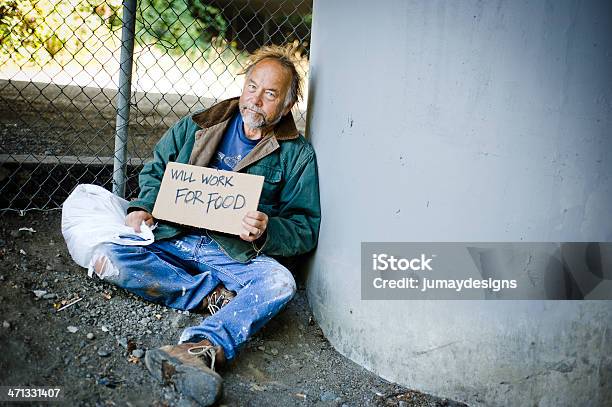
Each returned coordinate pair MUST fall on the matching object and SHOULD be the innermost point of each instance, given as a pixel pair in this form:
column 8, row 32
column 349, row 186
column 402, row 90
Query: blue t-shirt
column 234, row 146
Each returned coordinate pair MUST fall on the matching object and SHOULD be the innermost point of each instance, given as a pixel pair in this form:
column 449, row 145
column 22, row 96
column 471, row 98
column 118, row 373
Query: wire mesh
column 59, row 73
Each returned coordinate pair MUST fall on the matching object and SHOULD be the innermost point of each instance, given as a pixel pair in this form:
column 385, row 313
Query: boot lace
column 208, row 352
column 216, row 301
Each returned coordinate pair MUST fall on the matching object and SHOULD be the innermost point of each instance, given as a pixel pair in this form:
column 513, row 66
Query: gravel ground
column 94, row 349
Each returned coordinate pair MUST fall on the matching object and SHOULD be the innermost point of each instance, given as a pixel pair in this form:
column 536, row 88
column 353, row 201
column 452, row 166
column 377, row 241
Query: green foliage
column 18, row 22
column 179, row 25
column 40, row 30
column 67, row 30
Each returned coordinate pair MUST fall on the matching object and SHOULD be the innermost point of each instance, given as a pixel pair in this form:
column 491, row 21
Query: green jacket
column 290, row 194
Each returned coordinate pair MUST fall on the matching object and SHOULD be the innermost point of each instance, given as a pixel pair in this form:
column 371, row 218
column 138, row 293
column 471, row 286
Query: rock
column 177, row 322
column 90, row 336
column 257, row 387
column 138, row 353
column 6, row 324
column 72, row 329
column 39, row 293
column 274, row 351
column 185, row 403
column 123, row 342
column 327, row 396
column 48, row 267
column 402, row 403
column 261, row 348
column 103, row 352
column 109, row 382
column 49, row 296
column 104, row 328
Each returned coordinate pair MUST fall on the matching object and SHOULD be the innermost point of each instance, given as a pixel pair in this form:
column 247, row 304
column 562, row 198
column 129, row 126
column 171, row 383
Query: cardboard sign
column 206, row 197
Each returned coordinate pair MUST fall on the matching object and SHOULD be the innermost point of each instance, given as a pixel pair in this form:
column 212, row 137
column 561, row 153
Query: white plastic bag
column 91, row 216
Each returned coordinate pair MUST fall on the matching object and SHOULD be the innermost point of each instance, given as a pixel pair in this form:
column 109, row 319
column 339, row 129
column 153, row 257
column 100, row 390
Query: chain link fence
column 60, row 82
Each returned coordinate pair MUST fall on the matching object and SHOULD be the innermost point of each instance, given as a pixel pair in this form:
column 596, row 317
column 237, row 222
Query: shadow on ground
column 94, row 348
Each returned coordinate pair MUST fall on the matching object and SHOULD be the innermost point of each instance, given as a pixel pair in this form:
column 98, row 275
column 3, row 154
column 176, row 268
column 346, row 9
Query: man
column 189, row 269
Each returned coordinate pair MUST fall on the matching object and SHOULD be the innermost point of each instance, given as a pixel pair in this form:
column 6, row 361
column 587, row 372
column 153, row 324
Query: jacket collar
column 223, row 111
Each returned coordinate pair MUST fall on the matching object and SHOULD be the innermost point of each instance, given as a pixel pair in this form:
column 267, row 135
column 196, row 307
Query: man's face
column 262, row 103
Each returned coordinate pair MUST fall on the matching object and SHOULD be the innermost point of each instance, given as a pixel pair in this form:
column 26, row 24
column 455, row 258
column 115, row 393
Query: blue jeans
column 180, row 272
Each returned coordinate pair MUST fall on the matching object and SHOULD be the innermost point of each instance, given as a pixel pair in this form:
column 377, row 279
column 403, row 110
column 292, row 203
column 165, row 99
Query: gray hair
column 284, row 56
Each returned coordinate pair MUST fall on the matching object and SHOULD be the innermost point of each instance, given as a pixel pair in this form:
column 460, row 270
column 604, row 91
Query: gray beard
column 254, row 124
column 258, row 124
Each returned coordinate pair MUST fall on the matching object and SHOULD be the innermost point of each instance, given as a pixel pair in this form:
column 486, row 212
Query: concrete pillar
column 464, row 121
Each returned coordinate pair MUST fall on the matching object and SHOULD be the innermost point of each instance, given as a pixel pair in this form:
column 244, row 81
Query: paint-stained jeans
column 180, row 272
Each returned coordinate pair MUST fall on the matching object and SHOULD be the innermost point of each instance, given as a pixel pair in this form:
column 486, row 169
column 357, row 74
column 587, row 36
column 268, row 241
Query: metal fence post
column 123, row 97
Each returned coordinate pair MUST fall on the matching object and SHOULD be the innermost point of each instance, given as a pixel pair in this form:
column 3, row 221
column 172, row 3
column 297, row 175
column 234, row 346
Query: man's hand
column 254, row 225
column 134, row 219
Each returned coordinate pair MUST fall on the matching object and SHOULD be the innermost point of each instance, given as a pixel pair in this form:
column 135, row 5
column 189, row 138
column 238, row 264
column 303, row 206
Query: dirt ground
column 94, row 348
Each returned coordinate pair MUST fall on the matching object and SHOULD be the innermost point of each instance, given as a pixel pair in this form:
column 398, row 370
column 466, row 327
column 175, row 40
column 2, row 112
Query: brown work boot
column 217, row 299
column 190, row 367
